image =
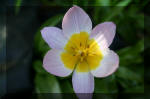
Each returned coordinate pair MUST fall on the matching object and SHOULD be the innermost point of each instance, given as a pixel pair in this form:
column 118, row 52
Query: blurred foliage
column 17, row 5
column 129, row 19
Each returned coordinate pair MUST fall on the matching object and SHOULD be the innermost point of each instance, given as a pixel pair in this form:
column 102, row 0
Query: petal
column 104, row 34
column 53, row 64
column 54, row 37
column 83, row 82
column 75, row 21
column 108, row 65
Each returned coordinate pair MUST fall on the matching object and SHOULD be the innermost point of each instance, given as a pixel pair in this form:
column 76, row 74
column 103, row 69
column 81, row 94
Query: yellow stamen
column 83, row 52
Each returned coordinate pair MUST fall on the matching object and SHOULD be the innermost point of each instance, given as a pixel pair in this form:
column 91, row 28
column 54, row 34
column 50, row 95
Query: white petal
column 104, row 34
column 108, row 65
column 75, row 21
column 53, row 64
column 54, row 37
column 83, row 82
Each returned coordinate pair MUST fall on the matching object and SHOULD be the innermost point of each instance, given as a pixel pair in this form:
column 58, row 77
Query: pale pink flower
column 79, row 49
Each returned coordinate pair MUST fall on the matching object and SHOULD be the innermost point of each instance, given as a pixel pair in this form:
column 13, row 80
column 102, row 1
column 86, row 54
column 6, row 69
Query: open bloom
column 79, row 49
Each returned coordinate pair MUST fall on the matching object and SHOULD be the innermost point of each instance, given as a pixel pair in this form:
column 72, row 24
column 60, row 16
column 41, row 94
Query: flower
column 79, row 49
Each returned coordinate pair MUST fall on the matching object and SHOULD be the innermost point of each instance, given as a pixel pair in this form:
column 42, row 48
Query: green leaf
column 75, row 2
column 106, row 85
column 128, row 54
column 115, row 11
column 129, row 79
column 123, row 3
column 102, row 3
column 46, row 84
column 66, row 86
column 52, row 21
column 100, row 86
column 137, row 89
column 146, row 44
column 128, row 74
column 38, row 67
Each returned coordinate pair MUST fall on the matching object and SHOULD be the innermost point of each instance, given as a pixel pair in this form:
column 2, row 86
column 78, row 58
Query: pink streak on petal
column 104, row 34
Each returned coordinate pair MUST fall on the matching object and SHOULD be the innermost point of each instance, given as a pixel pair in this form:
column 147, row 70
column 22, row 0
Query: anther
column 82, row 54
column 88, row 46
column 80, row 44
column 72, row 47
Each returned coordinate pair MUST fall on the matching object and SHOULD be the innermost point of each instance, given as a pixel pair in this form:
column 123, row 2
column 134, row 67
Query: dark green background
column 26, row 48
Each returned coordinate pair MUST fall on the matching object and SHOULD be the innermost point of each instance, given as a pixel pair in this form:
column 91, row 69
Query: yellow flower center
column 81, row 52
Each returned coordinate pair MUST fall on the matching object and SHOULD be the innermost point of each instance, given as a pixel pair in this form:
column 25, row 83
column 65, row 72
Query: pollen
column 81, row 52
